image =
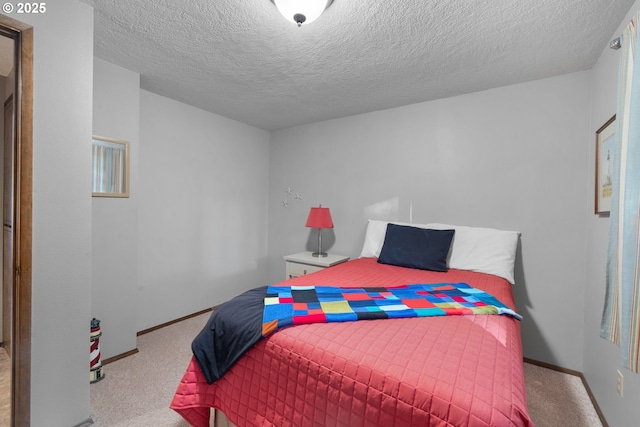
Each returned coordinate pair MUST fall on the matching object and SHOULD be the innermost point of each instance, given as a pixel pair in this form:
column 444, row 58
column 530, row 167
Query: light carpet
column 137, row 390
column 5, row 387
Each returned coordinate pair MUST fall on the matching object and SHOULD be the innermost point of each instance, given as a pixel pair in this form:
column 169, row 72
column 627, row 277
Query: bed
column 453, row 370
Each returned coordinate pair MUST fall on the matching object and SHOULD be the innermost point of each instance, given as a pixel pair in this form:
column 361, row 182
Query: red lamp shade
column 319, row 218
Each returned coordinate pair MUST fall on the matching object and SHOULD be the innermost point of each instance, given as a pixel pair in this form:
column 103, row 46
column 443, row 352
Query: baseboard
column 119, row 356
column 86, row 423
column 576, row 374
column 154, row 328
column 189, row 316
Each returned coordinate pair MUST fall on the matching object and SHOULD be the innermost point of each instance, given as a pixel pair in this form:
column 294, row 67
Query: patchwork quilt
column 234, row 327
column 296, row 305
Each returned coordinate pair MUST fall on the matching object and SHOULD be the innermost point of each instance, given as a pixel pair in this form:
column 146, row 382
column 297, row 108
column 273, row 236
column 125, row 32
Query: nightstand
column 303, row 263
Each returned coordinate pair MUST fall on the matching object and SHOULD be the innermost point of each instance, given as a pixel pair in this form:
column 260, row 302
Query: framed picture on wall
column 605, row 138
column 110, row 167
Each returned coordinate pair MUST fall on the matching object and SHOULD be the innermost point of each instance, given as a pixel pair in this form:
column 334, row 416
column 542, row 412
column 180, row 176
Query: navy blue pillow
column 414, row 247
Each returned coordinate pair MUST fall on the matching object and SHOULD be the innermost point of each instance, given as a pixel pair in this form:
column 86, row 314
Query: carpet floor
column 5, row 387
column 136, row 390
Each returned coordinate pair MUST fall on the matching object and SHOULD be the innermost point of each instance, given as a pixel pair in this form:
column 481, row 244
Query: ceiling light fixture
column 301, row 11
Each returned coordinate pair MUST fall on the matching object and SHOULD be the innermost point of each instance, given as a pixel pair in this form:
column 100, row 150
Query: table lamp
column 319, row 218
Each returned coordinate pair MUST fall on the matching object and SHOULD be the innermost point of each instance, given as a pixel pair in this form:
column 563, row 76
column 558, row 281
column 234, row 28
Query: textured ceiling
column 243, row 60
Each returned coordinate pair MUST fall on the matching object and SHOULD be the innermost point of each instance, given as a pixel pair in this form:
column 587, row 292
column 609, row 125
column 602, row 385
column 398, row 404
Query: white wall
column 62, row 92
column 202, row 198
column 116, row 114
column 510, row 158
column 601, row 358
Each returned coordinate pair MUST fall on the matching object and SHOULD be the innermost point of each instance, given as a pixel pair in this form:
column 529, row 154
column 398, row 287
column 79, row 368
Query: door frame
column 23, row 182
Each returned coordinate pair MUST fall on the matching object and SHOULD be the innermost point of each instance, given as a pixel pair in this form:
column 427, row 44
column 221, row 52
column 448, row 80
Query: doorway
column 17, row 208
column 6, row 298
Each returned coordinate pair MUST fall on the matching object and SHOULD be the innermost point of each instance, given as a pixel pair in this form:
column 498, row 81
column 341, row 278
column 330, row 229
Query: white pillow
column 375, row 234
column 485, row 250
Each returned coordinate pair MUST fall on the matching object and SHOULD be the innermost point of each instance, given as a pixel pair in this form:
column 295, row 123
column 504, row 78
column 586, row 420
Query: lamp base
column 319, row 254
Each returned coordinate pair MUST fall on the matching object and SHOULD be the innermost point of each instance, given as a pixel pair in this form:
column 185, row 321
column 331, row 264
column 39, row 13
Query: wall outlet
column 619, row 383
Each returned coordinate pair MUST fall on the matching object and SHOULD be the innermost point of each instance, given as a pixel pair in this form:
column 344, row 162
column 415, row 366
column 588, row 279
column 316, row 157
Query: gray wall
column 61, row 302
column 512, row 158
column 193, row 232
column 202, row 209
column 601, row 358
column 114, row 250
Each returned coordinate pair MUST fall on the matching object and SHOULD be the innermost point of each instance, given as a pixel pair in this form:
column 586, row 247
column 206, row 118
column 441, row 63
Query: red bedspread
column 433, row 371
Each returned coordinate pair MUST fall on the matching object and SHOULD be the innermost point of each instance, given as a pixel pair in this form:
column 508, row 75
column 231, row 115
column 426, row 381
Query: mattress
column 428, row 371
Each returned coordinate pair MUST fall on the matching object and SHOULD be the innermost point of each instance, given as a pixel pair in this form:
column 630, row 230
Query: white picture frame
column 605, row 140
column 110, row 159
